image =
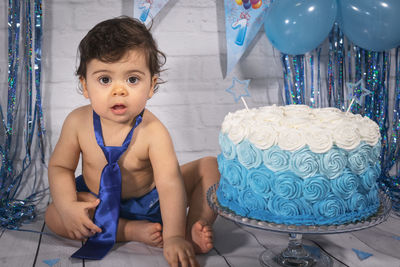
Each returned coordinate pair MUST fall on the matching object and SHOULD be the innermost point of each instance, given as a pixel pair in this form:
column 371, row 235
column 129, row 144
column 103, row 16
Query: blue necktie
column 107, row 212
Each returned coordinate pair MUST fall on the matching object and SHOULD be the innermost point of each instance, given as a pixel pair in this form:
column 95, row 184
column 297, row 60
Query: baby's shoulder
column 152, row 125
column 78, row 117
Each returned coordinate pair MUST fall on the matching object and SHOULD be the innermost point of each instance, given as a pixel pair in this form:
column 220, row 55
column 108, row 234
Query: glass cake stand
column 295, row 254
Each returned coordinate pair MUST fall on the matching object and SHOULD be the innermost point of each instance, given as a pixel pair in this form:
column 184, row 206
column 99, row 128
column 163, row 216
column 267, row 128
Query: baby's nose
column 119, row 91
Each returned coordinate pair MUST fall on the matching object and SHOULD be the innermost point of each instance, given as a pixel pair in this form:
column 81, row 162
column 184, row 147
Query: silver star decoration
column 352, row 87
column 239, row 88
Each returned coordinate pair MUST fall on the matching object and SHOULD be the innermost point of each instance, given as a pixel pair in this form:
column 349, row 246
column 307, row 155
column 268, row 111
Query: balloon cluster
column 298, row 26
column 249, row 3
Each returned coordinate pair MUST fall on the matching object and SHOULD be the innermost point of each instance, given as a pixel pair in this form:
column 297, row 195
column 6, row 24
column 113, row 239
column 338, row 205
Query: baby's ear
column 153, row 86
column 82, row 80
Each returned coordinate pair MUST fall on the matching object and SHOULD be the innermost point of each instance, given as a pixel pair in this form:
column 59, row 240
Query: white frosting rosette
column 274, row 109
column 268, row 117
column 346, row 135
column 290, row 139
column 262, row 137
column 317, row 139
column 297, row 109
column 328, row 117
column 295, row 122
column 369, row 131
column 238, row 132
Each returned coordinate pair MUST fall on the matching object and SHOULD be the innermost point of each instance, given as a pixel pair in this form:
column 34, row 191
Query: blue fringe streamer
column 23, row 113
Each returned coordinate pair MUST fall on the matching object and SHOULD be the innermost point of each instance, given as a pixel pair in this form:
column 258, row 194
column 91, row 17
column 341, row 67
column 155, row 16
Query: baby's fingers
column 91, row 226
column 92, row 204
column 187, row 259
column 173, row 260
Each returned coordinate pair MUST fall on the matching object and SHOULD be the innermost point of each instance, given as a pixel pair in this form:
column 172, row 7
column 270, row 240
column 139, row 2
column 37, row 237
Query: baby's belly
column 133, row 183
column 137, row 184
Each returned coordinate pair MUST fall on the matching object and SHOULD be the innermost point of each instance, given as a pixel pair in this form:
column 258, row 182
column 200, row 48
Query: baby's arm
column 171, row 189
column 61, row 171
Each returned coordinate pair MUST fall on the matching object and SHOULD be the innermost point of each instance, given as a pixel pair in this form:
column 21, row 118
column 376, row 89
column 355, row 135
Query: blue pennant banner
column 243, row 19
column 362, row 255
column 146, row 10
column 51, row 262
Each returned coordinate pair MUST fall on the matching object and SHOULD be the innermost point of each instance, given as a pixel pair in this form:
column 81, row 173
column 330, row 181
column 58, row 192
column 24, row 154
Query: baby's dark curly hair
column 111, row 39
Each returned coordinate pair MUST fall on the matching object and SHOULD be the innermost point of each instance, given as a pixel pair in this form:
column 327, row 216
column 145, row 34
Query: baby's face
column 119, row 91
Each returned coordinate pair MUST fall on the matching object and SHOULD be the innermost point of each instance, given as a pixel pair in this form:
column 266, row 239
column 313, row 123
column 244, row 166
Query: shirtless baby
column 118, row 72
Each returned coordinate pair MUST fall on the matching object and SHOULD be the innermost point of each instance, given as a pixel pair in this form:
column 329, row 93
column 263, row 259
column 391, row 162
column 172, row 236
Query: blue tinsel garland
column 24, row 113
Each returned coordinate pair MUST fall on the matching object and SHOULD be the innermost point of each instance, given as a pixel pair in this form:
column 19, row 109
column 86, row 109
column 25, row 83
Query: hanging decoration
column 22, row 122
column 371, row 24
column 243, row 19
column 296, row 26
column 146, row 10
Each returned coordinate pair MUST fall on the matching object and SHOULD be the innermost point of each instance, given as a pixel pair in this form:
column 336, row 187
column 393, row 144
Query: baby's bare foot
column 202, row 237
column 146, row 232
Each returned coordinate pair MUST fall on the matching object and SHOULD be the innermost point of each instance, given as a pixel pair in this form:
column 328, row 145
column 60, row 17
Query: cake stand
column 295, row 254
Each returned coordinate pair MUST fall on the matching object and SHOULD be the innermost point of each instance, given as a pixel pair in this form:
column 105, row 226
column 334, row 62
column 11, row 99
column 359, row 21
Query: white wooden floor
column 235, row 245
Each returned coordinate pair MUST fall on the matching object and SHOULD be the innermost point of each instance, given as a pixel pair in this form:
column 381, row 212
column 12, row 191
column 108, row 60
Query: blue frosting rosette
column 281, row 206
column 331, row 207
column 248, row 155
column 276, row 159
column 220, row 160
column 226, row 192
column 316, row 188
column 233, row 174
column 345, row 185
column 252, row 201
column 260, row 180
column 333, row 162
column 227, row 146
column 284, row 207
column 358, row 159
column 368, row 178
column 304, row 163
column 357, row 202
column 287, row 185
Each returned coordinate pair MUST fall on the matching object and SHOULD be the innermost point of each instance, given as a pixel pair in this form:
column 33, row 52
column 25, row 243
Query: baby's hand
column 178, row 250
column 77, row 221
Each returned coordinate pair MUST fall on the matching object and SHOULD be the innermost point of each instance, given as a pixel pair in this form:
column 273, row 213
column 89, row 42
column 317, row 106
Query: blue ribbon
column 107, row 212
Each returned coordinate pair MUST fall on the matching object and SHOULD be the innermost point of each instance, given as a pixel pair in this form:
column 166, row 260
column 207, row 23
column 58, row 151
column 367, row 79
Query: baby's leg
column 142, row 231
column 199, row 176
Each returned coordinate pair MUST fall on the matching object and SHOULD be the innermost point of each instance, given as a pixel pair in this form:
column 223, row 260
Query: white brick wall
column 193, row 102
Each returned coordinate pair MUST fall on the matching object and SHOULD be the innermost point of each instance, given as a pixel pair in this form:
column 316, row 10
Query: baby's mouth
column 118, row 107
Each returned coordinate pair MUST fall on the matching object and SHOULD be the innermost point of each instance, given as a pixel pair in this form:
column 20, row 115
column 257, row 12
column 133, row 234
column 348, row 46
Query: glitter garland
column 22, row 114
column 294, row 73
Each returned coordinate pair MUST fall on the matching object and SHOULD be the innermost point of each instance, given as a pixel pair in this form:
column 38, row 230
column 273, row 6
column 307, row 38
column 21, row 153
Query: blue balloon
column 370, row 24
column 298, row 26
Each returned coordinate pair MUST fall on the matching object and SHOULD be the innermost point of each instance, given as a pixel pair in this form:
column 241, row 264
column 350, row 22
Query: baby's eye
column 104, row 80
column 133, row 80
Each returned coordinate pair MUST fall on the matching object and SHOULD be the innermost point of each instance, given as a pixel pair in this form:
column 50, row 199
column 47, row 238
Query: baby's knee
column 209, row 168
column 208, row 163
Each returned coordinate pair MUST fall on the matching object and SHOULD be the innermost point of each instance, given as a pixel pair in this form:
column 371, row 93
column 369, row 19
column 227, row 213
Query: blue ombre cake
column 297, row 165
